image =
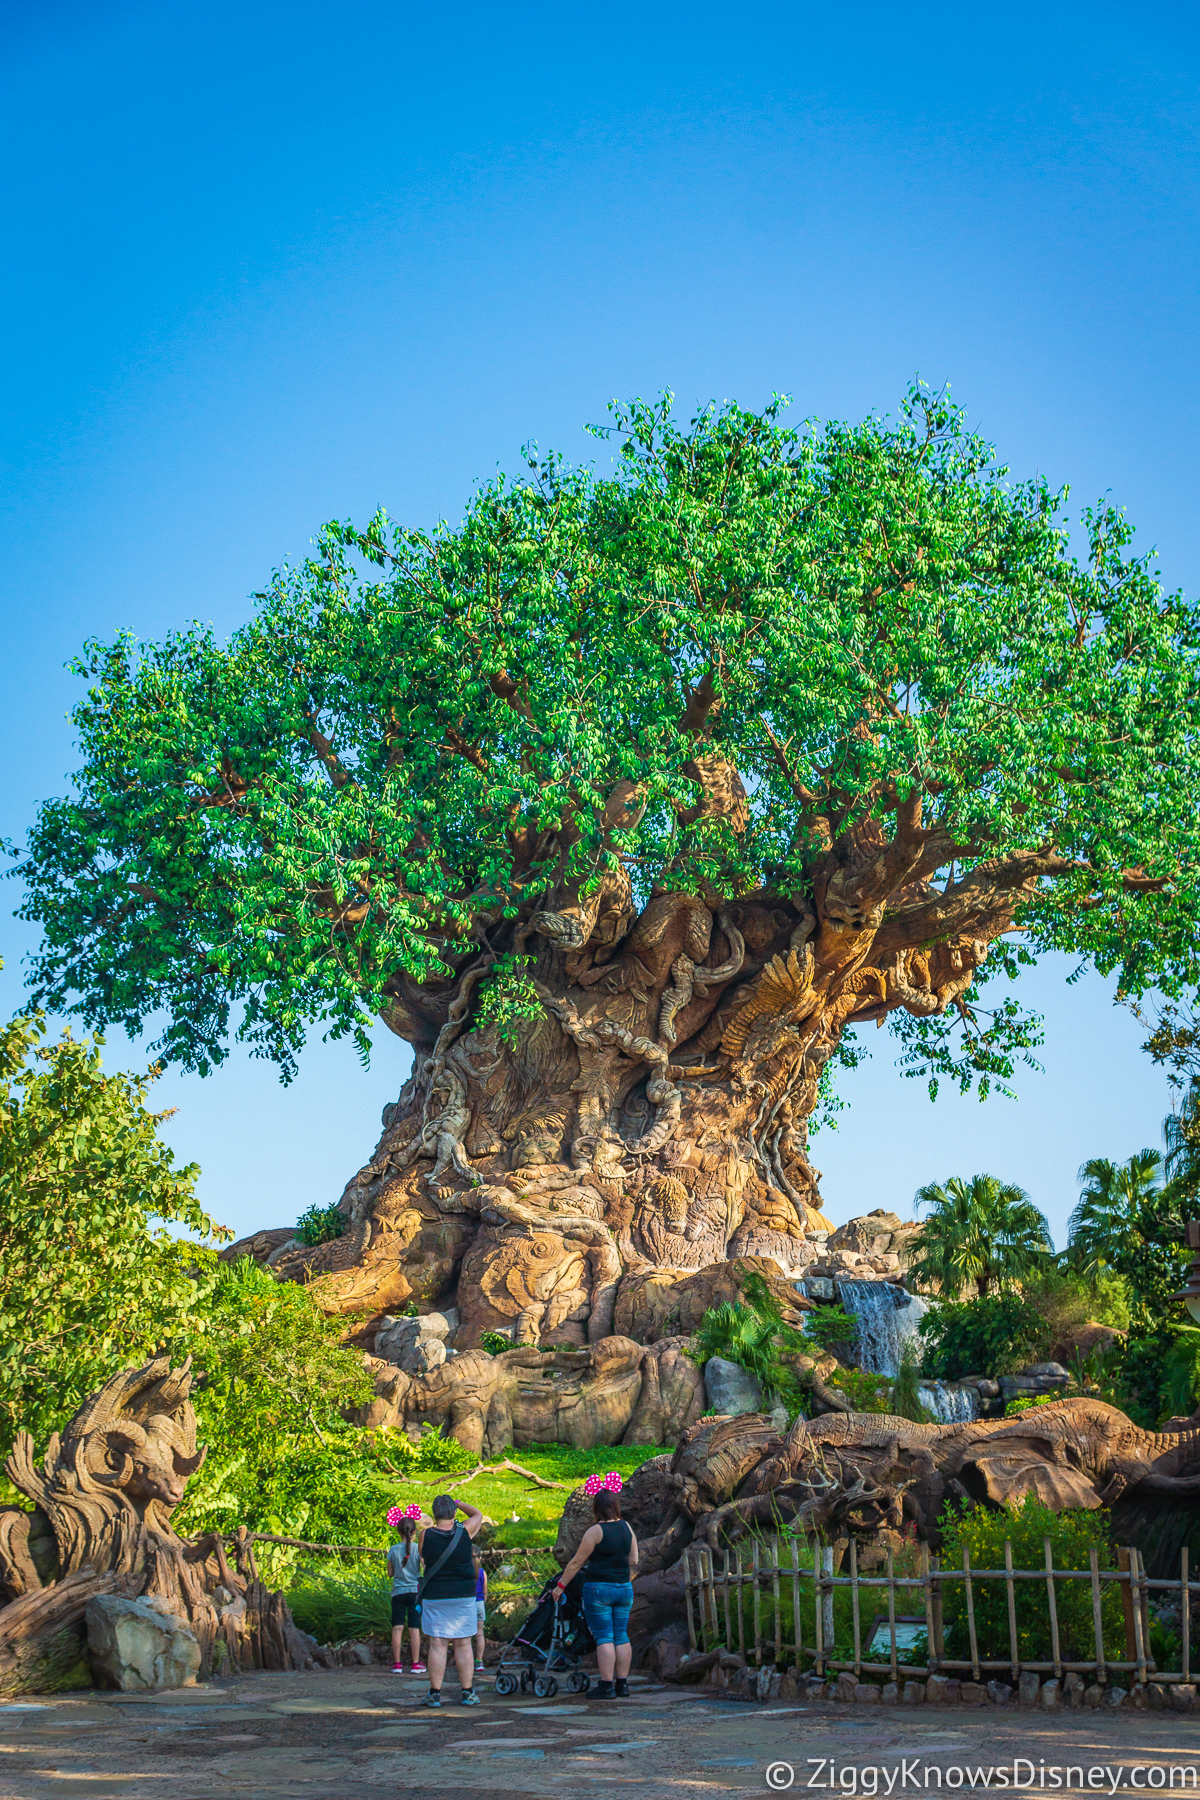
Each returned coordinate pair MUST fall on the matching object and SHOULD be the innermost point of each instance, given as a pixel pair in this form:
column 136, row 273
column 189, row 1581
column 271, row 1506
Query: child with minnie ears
column 404, row 1566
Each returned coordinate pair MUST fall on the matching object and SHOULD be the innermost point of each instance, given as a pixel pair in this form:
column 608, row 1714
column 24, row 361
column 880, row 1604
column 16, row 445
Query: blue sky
column 266, row 264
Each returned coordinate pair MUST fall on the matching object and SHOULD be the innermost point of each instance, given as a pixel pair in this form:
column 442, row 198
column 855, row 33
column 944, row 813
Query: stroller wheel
column 578, row 1683
column 506, row 1684
column 545, row 1687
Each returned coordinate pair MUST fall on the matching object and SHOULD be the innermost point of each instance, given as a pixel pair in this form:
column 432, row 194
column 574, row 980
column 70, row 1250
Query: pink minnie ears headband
column 394, row 1514
column 596, row 1484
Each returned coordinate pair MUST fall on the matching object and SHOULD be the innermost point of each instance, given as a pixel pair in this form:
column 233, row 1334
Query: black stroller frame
column 550, row 1644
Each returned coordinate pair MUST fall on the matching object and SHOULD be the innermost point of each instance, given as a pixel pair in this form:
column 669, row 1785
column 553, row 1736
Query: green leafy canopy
column 88, row 1279
column 420, row 732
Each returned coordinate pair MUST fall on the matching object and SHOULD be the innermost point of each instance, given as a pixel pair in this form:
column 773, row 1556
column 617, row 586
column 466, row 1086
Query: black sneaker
column 605, row 1690
column 622, row 1687
column 434, row 1697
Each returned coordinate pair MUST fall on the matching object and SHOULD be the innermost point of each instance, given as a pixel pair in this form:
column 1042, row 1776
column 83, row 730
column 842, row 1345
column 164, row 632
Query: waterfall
column 887, row 1318
column 949, row 1404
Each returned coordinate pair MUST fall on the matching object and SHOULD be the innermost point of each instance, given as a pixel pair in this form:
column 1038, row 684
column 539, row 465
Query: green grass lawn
column 538, row 1509
column 336, row 1601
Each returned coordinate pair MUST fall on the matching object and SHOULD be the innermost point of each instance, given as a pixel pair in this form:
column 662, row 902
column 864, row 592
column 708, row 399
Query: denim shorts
column 606, row 1607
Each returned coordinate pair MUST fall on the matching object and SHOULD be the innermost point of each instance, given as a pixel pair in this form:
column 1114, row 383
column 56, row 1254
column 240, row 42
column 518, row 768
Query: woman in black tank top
column 608, row 1555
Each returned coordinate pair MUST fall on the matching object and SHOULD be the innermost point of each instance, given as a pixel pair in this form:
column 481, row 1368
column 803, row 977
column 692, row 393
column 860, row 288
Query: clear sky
column 267, row 264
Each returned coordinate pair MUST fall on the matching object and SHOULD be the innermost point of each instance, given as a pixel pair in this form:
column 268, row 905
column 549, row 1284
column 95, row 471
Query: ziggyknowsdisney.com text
column 825, row 1773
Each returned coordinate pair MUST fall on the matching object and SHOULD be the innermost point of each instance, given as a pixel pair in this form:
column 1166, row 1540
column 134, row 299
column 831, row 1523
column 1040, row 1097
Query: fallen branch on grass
column 501, row 1468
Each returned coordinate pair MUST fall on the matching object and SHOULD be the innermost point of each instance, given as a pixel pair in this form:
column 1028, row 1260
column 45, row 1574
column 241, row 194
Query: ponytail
column 408, row 1530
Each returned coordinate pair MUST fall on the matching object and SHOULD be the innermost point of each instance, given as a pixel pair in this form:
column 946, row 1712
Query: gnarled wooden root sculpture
column 866, row 1472
column 102, row 1503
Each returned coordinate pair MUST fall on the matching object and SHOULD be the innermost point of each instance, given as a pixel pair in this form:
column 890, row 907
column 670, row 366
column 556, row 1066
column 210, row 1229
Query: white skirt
column 449, row 1618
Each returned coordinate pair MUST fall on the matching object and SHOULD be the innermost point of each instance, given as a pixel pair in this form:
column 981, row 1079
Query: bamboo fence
column 719, row 1618
column 530, row 1564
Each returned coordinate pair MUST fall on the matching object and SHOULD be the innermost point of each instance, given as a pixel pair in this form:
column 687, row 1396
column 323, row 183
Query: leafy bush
column 988, row 1336
column 274, row 1381
column 334, row 1604
column 982, row 1534
column 1015, row 1407
column 906, row 1395
column 829, row 1328
column 87, row 1283
column 320, row 1225
column 865, row 1391
column 495, row 1343
column 753, row 1335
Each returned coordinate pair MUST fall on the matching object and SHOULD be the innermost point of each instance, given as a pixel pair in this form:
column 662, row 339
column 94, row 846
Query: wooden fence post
column 775, row 1599
column 757, row 1608
column 1097, row 1614
column 687, row 1595
column 1055, row 1650
column 819, row 1608
column 970, row 1614
column 939, row 1640
column 928, row 1587
column 891, row 1581
column 827, row 1594
column 1014, row 1649
column 1185, row 1615
column 728, row 1614
column 1139, row 1636
column 1127, row 1608
column 854, row 1604
column 741, row 1610
column 796, row 1625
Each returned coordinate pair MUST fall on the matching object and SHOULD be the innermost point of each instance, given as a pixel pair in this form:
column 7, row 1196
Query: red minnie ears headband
column 394, row 1514
column 596, row 1484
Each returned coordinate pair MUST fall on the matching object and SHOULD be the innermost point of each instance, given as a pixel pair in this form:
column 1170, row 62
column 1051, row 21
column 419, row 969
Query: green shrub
column 865, row 1391
column 320, row 1225
column 753, row 1335
column 495, row 1343
column 1016, row 1407
column 89, row 1283
column 829, row 1328
column 334, row 1604
column 982, row 1533
column 988, row 1336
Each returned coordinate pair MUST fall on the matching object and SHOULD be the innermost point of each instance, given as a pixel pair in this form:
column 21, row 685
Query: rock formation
column 100, row 1524
column 613, row 1391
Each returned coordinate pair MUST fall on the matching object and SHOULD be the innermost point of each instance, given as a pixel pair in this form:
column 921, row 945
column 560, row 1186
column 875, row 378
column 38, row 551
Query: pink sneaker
column 418, row 1669
column 397, row 1668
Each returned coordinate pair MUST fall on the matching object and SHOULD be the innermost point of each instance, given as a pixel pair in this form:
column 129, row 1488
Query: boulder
column 672, row 1396
column 731, row 1390
column 660, row 1303
column 140, row 1644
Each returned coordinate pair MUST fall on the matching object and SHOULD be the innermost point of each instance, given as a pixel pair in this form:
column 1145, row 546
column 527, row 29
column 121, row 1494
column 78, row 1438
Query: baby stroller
column 551, row 1643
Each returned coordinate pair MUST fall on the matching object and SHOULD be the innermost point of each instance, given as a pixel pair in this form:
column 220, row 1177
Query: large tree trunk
column 653, row 1119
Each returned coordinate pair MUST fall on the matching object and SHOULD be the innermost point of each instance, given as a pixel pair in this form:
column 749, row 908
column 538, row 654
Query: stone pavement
column 353, row 1734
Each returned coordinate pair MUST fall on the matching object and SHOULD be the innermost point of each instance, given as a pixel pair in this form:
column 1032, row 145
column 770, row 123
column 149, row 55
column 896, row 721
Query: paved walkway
column 353, row 1734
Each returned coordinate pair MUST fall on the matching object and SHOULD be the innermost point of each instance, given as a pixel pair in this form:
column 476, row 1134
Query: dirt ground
column 361, row 1732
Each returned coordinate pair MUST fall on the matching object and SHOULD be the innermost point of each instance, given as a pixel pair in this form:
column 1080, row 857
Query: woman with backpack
column 447, row 1595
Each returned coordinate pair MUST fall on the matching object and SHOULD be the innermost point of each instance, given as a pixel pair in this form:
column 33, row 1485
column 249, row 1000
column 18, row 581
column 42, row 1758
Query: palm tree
column 1127, row 1221
column 1181, row 1134
column 1114, row 1199
column 984, row 1230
